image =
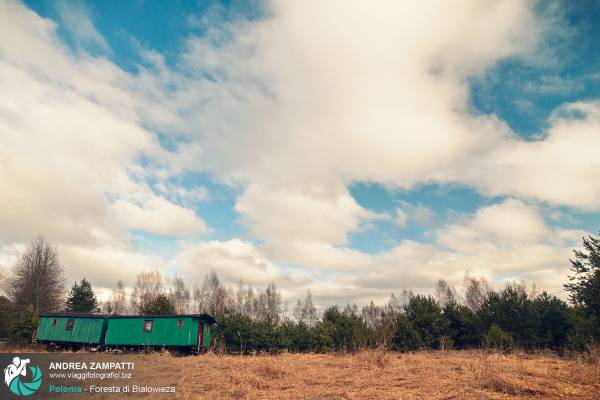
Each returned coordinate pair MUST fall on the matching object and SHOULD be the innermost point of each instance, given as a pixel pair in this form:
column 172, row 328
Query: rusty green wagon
column 188, row 333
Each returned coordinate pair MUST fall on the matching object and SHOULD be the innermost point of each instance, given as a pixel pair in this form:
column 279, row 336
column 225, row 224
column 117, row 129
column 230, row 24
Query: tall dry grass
column 374, row 374
column 378, row 374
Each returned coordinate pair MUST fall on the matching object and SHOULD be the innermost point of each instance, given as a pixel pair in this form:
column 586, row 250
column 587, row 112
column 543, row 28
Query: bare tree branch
column 37, row 278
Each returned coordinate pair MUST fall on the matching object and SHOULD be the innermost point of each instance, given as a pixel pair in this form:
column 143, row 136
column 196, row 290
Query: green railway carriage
column 182, row 333
column 174, row 331
column 189, row 331
column 72, row 329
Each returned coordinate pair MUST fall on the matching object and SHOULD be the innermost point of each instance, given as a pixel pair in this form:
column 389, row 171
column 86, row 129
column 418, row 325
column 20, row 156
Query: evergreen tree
column 160, row 305
column 553, row 321
column 463, row 325
column 405, row 336
column 22, row 328
column 513, row 312
column 497, row 339
column 82, row 298
column 347, row 329
column 233, row 332
column 427, row 318
column 7, row 314
column 585, row 281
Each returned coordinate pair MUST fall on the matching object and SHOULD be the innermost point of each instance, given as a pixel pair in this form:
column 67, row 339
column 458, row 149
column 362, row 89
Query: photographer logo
column 19, row 380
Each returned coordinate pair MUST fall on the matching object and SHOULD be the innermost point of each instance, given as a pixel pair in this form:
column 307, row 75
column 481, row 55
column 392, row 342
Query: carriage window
column 180, row 323
column 54, row 322
column 70, row 324
column 148, row 325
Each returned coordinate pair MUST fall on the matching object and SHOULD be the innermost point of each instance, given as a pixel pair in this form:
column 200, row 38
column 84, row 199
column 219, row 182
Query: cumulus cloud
column 232, row 260
column 76, row 18
column 71, row 145
column 104, row 265
column 418, row 214
column 289, row 110
column 364, row 98
column 378, row 94
column 561, row 167
column 300, row 105
column 505, row 241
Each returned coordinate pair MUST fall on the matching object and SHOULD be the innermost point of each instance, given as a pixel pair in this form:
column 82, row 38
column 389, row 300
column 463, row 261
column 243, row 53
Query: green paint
column 86, row 330
column 129, row 331
column 206, row 333
column 172, row 330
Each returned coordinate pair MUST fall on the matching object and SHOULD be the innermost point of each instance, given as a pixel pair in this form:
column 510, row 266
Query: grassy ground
column 372, row 375
column 378, row 375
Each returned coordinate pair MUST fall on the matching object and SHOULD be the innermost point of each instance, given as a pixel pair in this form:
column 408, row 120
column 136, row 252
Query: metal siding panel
column 129, row 331
column 85, row 330
column 207, row 334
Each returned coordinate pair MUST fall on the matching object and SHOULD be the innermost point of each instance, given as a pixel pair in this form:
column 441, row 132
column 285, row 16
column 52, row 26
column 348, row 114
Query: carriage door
column 200, row 335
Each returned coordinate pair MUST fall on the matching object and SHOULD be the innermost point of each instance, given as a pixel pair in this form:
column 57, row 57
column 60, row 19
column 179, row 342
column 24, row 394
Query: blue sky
column 337, row 157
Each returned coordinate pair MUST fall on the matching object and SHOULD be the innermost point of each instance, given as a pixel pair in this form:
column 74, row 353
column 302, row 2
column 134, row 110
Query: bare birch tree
column 118, row 299
column 197, row 300
column 371, row 313
column 3, row 279
column 148, row 285
column 444, row 293
column 269, row 305
column 306, row 311
column 475, row 291
column 180, row 296
column 211, row 297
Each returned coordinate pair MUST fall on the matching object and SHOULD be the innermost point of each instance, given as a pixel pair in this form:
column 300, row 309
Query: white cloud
column 312, row 105
column 561, row 168
column 305, row 226
column 104, row 265
column 553, row 85
column 319, row 214
column 507, row 240
column 71, row 141
column 76, row 18
column 232, row 260
column 418, row 214
column 298, row 106
column 184, row 196
column 401, row 217
column 157, row 215
column 511, row 221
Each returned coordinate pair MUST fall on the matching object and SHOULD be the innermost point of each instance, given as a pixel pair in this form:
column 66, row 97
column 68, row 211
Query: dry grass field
column 371, row 375
column 379, row 375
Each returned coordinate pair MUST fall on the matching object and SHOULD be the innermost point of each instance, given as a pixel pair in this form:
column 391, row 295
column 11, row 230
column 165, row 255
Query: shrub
column 513, row 311
column 348, row 331
column 427, row 318
column 463, row 325
column 405, row 336
column 234, row 332
column 553, row 321
column 7, row 314
column 160, row 305
column 497, row 339
column 24, row 326
column 584, row 329
column 323, row 337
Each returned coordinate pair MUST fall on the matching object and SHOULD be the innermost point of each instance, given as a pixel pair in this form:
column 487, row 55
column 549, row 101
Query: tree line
column 253, row 320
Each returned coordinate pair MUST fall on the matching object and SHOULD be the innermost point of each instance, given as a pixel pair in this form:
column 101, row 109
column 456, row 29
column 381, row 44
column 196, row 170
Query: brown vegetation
column 384, row 375
column 373, row 375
